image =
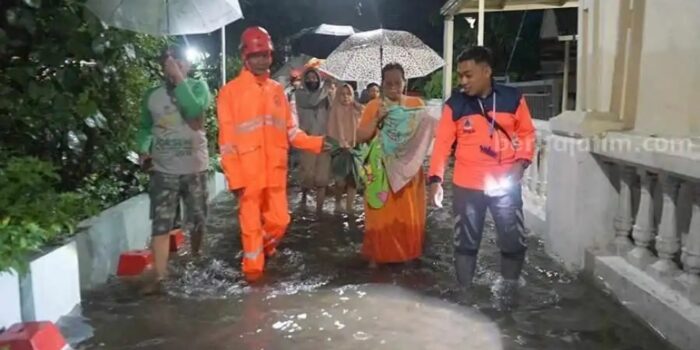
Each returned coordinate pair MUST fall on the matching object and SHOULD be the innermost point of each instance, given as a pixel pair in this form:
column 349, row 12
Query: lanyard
column 493, row 110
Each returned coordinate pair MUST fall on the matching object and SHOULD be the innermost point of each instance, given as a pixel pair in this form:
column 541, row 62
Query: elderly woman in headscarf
column 312, row 103
column 399, row 135
column 343, row 121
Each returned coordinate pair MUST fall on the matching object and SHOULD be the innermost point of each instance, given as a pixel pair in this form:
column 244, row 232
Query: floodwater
column 318, row 294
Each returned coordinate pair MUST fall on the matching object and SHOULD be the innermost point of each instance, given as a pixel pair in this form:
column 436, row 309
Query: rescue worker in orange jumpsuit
column 256, row 127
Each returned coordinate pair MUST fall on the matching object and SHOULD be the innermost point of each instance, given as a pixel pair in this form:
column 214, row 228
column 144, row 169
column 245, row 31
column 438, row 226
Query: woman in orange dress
column 395, row 232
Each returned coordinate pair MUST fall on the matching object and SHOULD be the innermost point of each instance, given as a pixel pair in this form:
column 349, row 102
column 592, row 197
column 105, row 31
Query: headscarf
column 344, row 119
column 312, row 107
column 311, row 99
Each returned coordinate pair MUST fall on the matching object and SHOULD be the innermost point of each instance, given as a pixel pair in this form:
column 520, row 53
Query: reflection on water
column 318, row 294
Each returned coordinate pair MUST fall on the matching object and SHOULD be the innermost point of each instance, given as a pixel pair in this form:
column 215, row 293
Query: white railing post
column 688, row 283
column 644, row 231
column 668, row 242
column 545, row 163
column 542, row 169
column 526, row 178
column 623, row 219
column 534, row 176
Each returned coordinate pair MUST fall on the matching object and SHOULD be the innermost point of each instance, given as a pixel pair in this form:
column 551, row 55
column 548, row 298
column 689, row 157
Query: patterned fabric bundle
column 396, row 154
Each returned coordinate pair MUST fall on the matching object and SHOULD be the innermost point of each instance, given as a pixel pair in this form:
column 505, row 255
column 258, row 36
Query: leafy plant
column 431, row 86
column 16, row 241
column 75, row 104
column 32, row 213
column 70, row 97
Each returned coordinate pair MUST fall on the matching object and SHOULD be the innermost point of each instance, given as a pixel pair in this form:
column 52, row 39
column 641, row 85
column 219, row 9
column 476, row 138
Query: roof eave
column 456, row 7
column 451, row 8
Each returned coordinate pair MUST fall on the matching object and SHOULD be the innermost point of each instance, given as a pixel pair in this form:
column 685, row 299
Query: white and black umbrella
column 320, row 41
column 170, row 17
column 167, row 17
column 362, row 56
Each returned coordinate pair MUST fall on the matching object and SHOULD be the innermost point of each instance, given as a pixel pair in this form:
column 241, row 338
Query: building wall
column 638, row 59
column 639, row 75
column 669, row 84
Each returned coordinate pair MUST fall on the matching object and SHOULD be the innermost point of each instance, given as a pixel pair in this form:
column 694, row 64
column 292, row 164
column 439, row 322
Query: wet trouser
column 264, row 218
column 469, row 207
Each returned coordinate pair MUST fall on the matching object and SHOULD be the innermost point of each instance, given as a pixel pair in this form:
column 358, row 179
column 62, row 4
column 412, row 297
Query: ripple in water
column 213, row 279
column 150, row 343
column 293, row 287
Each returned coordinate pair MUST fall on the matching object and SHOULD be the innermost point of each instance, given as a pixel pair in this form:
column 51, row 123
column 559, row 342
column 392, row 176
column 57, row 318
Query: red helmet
column 254, row 40
column 295, row 74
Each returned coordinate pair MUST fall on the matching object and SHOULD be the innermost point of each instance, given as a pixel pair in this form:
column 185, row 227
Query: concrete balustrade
column 653, row 238
column 627, row 215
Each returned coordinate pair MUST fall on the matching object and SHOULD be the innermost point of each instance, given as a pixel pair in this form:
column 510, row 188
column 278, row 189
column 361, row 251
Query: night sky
column 283, row 18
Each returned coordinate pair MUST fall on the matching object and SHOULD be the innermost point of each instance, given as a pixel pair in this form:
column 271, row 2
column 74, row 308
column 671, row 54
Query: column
column 480, row 34
column 448, row 45
column 582, row 55
column 223, row 55
column 565, row 83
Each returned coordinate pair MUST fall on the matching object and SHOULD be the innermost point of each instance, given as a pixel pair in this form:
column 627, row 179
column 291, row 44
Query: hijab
column 344, row 119
column 311, row 98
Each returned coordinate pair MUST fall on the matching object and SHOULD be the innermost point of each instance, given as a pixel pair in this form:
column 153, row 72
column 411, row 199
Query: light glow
column 194, row 55
column 497, row 187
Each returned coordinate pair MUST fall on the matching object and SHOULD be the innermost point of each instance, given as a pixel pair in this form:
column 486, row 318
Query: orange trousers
column 264, row 218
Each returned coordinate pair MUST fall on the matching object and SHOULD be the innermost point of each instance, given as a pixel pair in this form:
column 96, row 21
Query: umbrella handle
column 381, row 57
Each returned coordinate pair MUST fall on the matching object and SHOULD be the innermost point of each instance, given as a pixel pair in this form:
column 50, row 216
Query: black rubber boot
column 507, row 291
column 465, row 266
column 512, row 265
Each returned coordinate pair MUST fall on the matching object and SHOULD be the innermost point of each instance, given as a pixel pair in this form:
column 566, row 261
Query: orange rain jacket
column 256, row 127
column 483, row 151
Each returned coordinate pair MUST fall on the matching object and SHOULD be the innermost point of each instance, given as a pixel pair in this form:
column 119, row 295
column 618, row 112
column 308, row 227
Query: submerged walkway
column 318, row 294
